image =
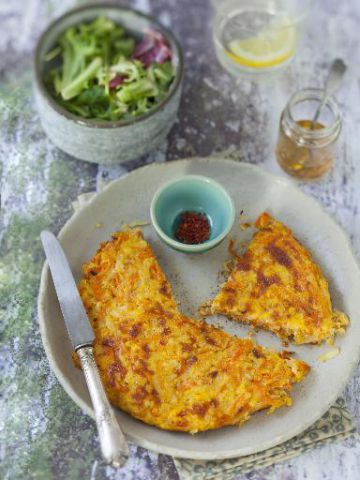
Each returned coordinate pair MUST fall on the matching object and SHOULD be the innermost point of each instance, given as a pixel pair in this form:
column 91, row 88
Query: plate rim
column 154, row 446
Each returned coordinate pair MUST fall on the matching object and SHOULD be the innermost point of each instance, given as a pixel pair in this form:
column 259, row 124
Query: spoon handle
column 337, row 71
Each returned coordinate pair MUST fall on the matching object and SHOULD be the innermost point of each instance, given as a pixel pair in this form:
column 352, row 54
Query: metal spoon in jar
column 336, row 73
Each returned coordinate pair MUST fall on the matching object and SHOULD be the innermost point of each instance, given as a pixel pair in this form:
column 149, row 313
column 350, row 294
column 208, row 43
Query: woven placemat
column 335, row 425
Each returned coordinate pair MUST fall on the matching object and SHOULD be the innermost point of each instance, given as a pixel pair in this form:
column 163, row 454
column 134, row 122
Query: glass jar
column 304, row 150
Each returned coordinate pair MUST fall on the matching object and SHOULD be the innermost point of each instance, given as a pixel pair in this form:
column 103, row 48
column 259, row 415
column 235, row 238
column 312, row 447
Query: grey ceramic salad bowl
column 103, row 141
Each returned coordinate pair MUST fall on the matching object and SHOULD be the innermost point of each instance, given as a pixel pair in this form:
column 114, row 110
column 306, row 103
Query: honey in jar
column 306, row 150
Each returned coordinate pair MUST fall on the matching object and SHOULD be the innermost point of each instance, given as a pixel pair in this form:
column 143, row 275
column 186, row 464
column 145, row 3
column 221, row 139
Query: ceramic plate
column 195, row 278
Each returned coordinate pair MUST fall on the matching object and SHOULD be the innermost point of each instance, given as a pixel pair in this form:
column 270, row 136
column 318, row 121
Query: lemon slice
column 267, row 49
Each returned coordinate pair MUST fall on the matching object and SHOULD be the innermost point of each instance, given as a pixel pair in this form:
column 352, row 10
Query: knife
column 114, row 447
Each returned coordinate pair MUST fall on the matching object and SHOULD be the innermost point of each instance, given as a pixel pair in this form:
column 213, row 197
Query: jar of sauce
column 305, row 150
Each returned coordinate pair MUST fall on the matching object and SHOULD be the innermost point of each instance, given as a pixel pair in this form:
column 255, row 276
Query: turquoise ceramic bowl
column 192, row 193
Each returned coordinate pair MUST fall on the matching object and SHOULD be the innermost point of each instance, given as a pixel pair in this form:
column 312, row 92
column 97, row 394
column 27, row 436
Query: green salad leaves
column 99, row 71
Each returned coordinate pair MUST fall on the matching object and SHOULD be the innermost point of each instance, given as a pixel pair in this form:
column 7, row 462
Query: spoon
column 336, row 73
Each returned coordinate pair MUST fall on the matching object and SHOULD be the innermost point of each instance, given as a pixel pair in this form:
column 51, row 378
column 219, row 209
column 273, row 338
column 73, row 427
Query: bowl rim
column 184, row 247
column 91, row 122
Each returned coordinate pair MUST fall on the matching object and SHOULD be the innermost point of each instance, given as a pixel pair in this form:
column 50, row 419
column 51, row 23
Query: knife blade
column 112, row 441
column 76, row 320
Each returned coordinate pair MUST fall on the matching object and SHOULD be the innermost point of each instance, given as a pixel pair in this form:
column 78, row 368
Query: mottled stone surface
column 43, row 434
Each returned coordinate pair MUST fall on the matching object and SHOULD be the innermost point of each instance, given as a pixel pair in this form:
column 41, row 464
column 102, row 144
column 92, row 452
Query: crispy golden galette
column 164, row 368
column 276, row 285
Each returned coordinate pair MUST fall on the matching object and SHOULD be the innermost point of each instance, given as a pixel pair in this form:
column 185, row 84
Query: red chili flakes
column 193, row 228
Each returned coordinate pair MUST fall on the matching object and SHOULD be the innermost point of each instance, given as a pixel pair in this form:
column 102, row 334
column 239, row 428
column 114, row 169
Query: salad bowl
column 99, row 140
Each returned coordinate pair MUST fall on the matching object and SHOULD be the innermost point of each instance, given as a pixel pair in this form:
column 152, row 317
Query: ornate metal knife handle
column 113, row 444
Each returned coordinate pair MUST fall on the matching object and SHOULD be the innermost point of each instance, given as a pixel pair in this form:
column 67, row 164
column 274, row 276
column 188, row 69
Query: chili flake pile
column 193, row 228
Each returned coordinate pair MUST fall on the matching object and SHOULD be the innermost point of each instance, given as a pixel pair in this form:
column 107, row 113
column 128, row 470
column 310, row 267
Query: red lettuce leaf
column 154, row 48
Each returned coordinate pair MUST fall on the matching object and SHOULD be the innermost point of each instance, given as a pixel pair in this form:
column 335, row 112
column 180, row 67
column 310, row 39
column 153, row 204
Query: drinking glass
column 258, row 38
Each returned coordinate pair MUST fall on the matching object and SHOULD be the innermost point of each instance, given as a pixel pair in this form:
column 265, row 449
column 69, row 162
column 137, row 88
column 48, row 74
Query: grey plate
column 195, row 279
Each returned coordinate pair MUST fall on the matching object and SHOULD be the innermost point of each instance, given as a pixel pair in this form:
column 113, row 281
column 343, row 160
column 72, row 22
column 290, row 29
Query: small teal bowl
column 192, row 193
